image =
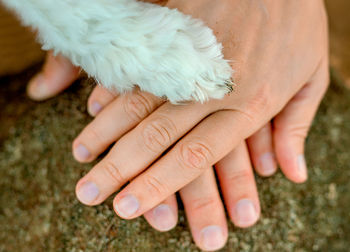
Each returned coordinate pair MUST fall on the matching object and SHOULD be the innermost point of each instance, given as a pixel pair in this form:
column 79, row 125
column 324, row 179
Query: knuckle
column 259, row 101
column 265, row 130
column 155, row 187
column 239, row 177
column 244, row 115
column 291, row 131
column 204, row 203
column 158, row 134
column 262, row 99
column 96, row 135
column 194, row 155
column 113, row 172
column 137, row 106
column 299, row 131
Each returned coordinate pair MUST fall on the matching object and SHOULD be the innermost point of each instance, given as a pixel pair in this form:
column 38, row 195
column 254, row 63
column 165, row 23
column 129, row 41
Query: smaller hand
column 57, row 74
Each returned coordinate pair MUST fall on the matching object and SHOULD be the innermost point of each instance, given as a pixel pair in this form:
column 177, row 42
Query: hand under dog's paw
column 123, row 43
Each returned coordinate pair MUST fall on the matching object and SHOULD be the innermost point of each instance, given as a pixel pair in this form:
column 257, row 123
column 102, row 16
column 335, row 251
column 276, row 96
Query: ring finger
column 205, row 212
column 238, row 186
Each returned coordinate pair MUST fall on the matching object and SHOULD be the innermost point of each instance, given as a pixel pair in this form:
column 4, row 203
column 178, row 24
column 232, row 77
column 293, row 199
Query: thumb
column 291, row 125
column 57, row 74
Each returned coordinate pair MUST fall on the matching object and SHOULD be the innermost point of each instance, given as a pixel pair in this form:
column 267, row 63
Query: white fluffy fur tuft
column 125, row 42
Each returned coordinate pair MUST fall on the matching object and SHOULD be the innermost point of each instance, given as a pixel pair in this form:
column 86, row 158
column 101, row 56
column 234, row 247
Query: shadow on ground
column 39, row 211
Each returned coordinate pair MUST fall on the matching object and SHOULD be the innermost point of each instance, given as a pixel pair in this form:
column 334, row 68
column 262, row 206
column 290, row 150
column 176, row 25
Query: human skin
column 279, row 50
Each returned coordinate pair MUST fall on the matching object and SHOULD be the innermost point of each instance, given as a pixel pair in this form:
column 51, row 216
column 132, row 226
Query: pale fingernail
column 37, row 89
column 268, row 164
column 127, row 206
column 302, row 170
column 245, row 213
column 95, row 108
column 212, row 238
column 81, row 152
column 164, row 217
column 87, row 193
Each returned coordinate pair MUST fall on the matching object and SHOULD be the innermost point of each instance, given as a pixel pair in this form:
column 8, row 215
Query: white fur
column 125, row 42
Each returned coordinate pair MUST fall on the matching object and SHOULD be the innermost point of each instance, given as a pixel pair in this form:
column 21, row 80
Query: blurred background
column 38, row 209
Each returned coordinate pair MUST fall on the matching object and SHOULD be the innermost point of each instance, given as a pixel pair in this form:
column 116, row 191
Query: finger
column 260, row 146
column 98, row 99
column 57, row 74
column 237, row 182
column 164, row 216
column 139, row 148
column 205, row 212
column 207, row 143
column 115, row 120
column 291, row 125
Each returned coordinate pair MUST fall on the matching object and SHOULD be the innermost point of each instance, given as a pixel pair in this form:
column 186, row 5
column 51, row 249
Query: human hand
column 201, row 199
column 267, row 51
column 259, row 96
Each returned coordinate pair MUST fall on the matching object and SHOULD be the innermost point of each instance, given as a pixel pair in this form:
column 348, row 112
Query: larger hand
column 280, row 53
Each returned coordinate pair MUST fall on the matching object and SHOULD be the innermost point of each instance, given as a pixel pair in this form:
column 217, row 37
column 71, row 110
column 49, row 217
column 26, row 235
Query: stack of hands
column 279, row 51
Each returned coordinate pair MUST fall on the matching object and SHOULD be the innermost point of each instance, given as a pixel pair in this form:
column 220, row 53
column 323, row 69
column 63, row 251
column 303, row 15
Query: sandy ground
column 339, row 22
column 39, row 211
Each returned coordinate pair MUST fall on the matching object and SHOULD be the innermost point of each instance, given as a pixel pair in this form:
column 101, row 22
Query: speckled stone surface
column 39, row 211
column 339, row 23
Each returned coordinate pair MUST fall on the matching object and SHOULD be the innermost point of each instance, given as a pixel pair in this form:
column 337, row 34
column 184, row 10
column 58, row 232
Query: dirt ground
column 39, row 211
column 339, row 22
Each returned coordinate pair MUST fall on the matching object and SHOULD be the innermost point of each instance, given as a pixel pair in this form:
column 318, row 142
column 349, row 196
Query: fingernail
column 268, row 164
column 245, row 213
column 212, row 238
column 302, row 170
column 37, row 89
column 127, row 206
column 87, row 193
column 164, row 217
column 95, row 108
column 81, row 152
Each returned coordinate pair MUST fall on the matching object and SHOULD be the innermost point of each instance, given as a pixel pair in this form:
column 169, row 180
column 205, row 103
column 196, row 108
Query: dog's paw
column 123, row 43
